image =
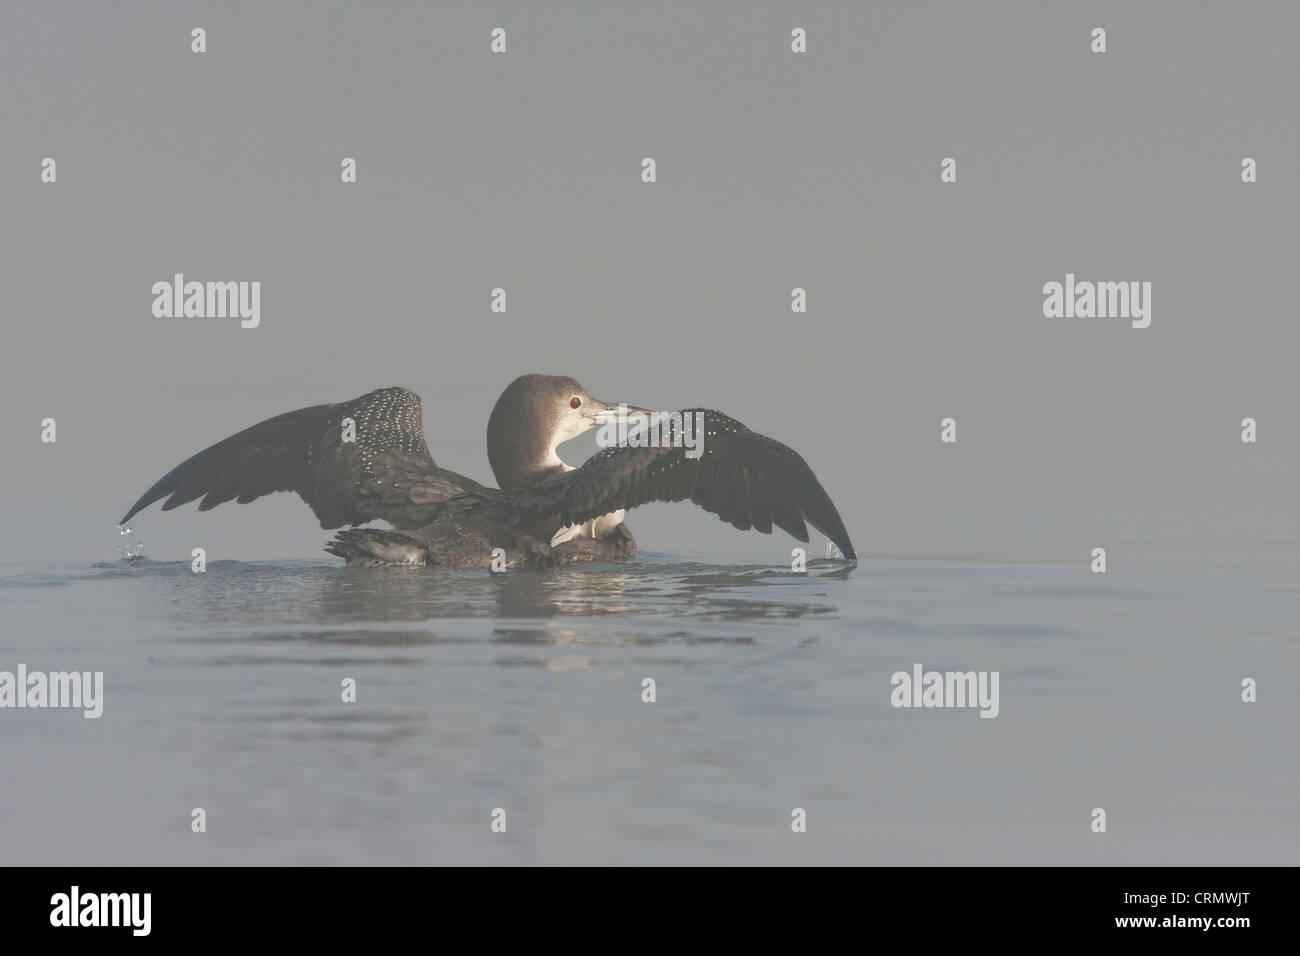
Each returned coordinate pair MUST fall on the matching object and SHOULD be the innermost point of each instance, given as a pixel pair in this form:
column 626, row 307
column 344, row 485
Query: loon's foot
column 373, row 547
column 618, row 545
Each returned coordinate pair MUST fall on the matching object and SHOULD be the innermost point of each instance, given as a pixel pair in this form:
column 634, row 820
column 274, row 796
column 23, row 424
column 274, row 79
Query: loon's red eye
column 575, row 402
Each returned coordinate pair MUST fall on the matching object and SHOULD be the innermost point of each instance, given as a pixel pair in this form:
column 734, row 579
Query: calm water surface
column 523, row 691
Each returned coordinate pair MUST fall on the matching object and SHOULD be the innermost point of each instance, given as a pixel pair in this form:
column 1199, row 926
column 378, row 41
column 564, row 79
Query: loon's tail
column 373, row 547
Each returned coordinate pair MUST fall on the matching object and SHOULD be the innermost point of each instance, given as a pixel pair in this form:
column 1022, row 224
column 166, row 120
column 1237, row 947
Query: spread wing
column 386, row 472
column 746, row 479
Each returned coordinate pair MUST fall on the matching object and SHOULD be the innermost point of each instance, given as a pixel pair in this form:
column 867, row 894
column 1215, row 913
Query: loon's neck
column 520, row 457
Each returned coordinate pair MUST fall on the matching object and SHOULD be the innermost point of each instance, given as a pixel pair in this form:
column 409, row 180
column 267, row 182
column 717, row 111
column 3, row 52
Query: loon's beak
column 603, row 413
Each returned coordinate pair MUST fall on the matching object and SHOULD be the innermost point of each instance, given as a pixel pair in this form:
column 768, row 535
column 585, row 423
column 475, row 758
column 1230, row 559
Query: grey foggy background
column 775, row 170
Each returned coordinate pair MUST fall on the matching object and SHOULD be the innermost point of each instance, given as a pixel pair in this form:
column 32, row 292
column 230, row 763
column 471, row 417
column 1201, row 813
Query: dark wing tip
column 821, row 513
column 145, row 500
column 783, row 488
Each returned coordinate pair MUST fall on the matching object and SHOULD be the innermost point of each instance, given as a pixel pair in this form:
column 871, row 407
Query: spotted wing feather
column 385, row 473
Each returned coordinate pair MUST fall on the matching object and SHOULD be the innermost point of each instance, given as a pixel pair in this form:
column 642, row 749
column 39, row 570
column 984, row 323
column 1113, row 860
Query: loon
column 545, row 514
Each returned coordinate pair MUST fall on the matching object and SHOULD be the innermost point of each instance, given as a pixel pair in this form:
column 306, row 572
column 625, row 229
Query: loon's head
column 535, row 415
